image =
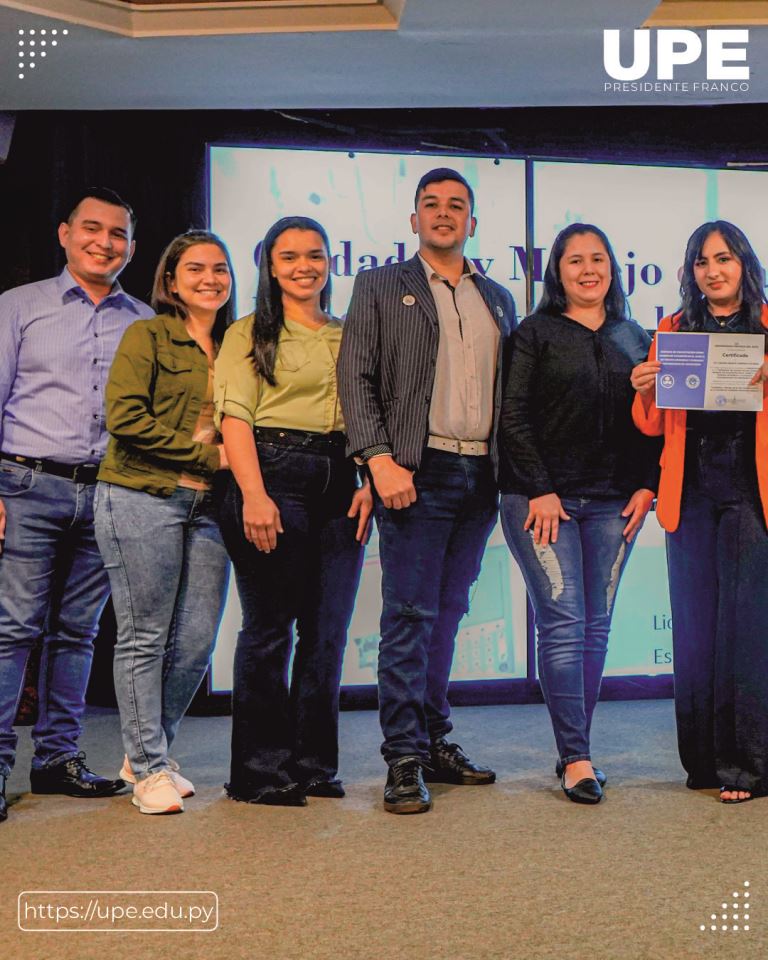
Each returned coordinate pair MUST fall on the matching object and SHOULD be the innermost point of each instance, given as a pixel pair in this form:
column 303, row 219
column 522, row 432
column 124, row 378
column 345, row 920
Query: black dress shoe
column 599, row 775
column 318, row 787
column 3, row 802
column 449, row 764
column 406, row 791
column 72, row 778
column 585, row 791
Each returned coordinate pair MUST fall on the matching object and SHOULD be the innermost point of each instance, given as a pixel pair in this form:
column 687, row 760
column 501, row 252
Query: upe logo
column 678, row 48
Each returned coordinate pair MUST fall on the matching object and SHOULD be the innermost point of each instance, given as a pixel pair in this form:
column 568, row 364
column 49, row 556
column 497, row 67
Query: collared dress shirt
column 465, row 373
column 56, row 348
column 305, row 396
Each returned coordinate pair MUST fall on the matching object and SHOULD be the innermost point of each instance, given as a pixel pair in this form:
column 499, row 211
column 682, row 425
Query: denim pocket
column 15, row 479
column 272, row 453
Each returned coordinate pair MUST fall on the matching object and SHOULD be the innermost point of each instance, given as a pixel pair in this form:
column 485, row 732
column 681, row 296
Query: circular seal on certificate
column 692, row 381
column 667, row 380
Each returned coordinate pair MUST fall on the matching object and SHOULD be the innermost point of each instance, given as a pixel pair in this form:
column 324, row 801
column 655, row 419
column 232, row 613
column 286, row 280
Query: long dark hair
column 268, row 317
column 163, row 298
column 553, row 299
column 693, row 302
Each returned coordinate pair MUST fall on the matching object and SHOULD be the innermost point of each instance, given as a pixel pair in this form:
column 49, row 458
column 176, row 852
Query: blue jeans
column 572, row 585
column 168, row 569
column 430, row 556
column 285, row 733
column 52, row 585
column 718, row 558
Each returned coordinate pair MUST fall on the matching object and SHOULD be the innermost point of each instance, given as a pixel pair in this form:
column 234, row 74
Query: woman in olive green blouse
column 156, row 522
column 294, row 522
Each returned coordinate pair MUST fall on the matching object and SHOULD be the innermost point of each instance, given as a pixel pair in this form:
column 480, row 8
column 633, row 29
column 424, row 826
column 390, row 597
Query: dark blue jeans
column 430, row 556
column 52, row 585
column 718, row 558
column 283, row 733
column 572, row 585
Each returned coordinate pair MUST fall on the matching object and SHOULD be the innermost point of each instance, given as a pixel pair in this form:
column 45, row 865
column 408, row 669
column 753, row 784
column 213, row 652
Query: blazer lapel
column 415, row 281
column 492, row 302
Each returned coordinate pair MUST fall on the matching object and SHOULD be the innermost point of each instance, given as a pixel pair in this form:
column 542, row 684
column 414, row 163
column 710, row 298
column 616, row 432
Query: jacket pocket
column 173, row 377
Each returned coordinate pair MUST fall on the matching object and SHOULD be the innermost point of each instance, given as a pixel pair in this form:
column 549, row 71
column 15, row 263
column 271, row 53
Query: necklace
column 727, row 320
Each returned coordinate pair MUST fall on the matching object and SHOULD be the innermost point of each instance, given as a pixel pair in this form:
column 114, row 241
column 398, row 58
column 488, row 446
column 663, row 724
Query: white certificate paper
column 709, row 371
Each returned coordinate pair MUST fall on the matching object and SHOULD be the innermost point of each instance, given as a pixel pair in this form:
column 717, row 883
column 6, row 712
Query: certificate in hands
column 709, row 371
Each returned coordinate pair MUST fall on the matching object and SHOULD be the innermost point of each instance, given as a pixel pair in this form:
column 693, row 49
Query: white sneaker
column 185, row 787
column 157, row 794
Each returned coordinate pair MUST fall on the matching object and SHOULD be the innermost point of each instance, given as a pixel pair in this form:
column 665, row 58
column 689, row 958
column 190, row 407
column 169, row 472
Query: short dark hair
column 268, row 316
column 694, row 303
column 553, row 299
column 165, row 301
column 438, row 175
column 106, row 196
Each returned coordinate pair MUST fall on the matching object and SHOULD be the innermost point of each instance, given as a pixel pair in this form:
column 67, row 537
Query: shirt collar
column 432, row 274
column 300, row 330
column 177, row 328
column 116, row 296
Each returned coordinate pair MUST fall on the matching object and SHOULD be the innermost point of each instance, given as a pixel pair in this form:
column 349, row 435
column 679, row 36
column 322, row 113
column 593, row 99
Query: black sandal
column 735, row 799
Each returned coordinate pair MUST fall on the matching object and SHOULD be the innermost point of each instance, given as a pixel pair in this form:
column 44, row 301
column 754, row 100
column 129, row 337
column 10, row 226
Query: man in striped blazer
column 420, row 387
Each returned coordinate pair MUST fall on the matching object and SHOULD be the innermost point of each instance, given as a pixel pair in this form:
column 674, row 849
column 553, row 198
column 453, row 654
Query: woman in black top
column 577, row 478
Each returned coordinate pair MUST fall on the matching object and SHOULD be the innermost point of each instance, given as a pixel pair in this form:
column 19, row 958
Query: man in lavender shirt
column 57, row 339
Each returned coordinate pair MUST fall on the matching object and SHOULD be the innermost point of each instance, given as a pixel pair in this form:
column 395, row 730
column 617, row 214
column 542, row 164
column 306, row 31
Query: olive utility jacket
column 156, row 387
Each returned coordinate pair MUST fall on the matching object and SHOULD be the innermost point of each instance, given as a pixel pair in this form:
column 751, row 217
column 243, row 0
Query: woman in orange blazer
column 713, row 503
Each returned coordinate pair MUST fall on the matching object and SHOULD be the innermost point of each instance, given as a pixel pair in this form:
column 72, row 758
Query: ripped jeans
column 572, row 585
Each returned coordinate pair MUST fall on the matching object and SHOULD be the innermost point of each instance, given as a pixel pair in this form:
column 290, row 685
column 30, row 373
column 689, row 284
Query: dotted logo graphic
column 738, row 920
column 34, row 45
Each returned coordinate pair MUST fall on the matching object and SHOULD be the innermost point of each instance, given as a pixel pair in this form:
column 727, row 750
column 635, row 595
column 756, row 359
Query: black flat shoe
column 324, row 788
column 291, row 795
column 585, row 791
column 599, row 775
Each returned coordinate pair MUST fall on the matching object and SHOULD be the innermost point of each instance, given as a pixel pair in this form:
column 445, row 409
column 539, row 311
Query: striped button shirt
column 56, row 349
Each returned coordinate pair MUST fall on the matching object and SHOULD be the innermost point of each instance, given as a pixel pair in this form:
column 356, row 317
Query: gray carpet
column 501, row 872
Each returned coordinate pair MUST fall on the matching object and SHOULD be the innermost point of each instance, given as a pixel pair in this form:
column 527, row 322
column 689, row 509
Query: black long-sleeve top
column 566, row 421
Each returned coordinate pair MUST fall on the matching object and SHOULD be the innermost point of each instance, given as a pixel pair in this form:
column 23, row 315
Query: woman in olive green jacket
column 155, row 521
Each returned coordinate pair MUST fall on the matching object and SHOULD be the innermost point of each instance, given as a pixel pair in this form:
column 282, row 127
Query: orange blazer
column 671, row 423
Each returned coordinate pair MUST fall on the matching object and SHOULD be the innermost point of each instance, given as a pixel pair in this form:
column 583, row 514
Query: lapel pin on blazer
column 500, row 311
column 409, row 300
